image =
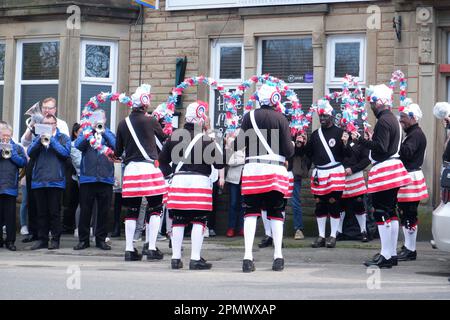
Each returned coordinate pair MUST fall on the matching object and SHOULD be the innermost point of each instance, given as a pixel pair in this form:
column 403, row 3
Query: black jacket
column 412, row 150
column 358, row 159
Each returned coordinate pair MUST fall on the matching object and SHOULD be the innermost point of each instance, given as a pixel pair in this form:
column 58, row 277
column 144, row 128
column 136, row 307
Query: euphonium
column 35, row 114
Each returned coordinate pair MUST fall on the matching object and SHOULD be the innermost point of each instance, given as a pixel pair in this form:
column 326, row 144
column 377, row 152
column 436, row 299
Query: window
column 291, row 60
column 38, row 70
column 227, row 67
column 98, row 73
column 2, row 75
column 345, row 55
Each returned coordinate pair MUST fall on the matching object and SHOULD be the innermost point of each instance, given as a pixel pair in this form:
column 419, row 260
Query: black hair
column 76, row 126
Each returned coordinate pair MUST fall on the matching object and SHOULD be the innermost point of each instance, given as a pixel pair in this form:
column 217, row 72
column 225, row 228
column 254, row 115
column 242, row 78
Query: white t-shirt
column 62, row 126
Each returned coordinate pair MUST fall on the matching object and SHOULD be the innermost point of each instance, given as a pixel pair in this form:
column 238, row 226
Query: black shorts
column 184, row 217
column 354, row 205
column 329, row 204
column 273, row 202
column 408, row 214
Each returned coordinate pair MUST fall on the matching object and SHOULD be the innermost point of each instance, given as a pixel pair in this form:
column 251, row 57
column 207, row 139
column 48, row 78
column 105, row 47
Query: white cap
column 413, row 110
column 441, row 110
column 381, row 94
column 269, row 95
column 196, row 112
column 142, row 96
column 324, row 107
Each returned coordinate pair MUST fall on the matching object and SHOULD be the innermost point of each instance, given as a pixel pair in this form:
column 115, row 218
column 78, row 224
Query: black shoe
column 364, row 237
column 40, row 244
column 248, row 266
column 278, row 264
column 176, row 263
column 29, row 238
column 394, row 261
column 320, row 242
column 155, row 255
column 170, row 243
column 145, row 249
column 82, row 245
column 266, row 242
column 407, row 255
column 116, row 231
column 331, row 242
column 381, row 262
column 1, row 243
column 132, row 256
column 199, row 265
column 54, row 244
column 103, row 245
column 10, row 246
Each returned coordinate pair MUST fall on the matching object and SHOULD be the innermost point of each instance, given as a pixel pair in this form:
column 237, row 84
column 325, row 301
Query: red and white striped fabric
column 190, row 192
column 416, row 190
column 142, row 179
column 290, row 191
column 330, row 180
column 260, row 178
column 387, row 175
column 355, row 185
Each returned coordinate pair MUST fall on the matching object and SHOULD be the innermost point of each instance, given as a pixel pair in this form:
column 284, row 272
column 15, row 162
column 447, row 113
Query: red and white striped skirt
column 355, row 185
column 190, row 192
column 416, row 190
column 142, row 179
column 260, row 178
column 330, row 180
column 387, row 175
column 290, row 190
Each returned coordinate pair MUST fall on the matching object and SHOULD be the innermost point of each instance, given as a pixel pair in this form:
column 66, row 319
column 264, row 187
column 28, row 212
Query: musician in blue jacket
column 12, row 158
column 48, row 182
column 96, row 183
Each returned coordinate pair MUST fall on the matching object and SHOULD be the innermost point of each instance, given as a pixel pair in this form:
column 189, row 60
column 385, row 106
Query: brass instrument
column 100, row 127
column 36, row 116
column 6, row 150
column 45, row 140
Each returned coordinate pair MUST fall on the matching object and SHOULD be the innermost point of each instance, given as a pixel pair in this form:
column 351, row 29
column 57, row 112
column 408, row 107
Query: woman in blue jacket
column 12, row 158
column 48, row 183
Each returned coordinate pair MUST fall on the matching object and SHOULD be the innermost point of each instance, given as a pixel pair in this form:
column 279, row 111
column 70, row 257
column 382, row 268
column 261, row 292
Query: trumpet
column 100, row 127
column 6, row 150
column 45, row 140
column 35, row 114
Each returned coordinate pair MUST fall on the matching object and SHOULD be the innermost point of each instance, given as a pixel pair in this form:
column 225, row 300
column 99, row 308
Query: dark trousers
column 48, row 203
column 212, row 216
column 31, row 199
column 89, row 193
column 117, row 208
column 8, row 216
column 236, row 210
column 71, row 200
column 384, row 204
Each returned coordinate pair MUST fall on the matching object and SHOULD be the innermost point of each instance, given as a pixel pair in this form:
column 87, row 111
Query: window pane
column 1, row 102
column 98, row 60
column 2, row 61
column 88, row 91
column 230, row 62
column 347, row 59
column 31, row 94
column 40, row 61
column 220, row 112
column 288, row 59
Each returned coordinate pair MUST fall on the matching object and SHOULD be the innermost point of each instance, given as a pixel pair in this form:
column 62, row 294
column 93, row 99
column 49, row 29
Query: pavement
column 309, row 273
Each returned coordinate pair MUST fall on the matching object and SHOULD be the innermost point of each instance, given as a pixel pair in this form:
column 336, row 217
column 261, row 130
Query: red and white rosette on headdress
column 142, row 96
column 196, row 112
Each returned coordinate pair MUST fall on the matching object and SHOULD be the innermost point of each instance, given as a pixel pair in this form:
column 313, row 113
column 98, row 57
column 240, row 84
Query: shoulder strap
column 259, row 134
column 326, row 147
column 158, row 143
column 136, row 140
column 188, row 151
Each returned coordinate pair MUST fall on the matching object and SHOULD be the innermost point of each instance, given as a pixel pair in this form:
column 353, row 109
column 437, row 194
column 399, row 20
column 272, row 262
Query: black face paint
column 325, row 120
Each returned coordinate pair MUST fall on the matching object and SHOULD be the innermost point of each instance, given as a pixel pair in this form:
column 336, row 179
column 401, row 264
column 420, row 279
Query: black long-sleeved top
column 412, row 150
column 446, row 155
column 315, row 150
column 359, row 158
column 386, row 137
column 267, row 119
column 146, row 128
column 204, row 147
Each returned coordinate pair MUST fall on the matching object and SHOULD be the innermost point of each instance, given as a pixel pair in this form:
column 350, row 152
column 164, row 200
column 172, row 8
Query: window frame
column 2, row 82
column 294, row 85
column 216, row 45
column 112, row 80
column 19, row 82
column 332, row 40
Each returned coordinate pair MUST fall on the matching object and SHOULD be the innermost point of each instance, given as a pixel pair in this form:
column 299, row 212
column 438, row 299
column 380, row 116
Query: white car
column 441, row 226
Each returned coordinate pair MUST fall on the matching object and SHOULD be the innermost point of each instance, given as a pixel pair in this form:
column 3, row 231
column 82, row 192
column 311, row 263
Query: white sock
column 155, row 221
column 321, row 223
column 177, row 241
column 361, row 221
column 341, row 222
column 130, row 228
column 196, row 241
column 334, row 226
column 394, row 237
column 266, row 223
column 385, row 237
column 249, row 236
column 147, row 232
column 410, row 238
column 277, row 233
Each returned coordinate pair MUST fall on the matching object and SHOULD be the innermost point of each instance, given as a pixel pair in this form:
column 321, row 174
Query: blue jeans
column 24, row 207
column 236, row 210
column 297, row 204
